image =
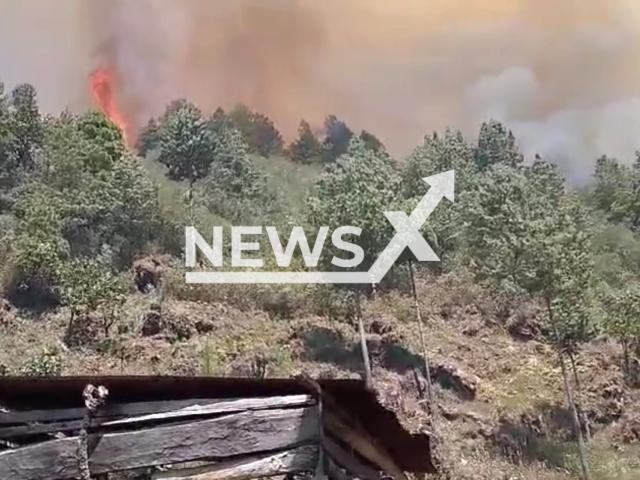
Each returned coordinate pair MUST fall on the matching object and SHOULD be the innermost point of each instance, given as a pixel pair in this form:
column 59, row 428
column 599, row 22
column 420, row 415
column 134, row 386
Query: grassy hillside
column 92, row 273
column 502, row 413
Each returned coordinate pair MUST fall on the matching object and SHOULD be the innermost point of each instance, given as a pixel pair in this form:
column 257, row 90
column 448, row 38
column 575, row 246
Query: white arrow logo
column 407, row 236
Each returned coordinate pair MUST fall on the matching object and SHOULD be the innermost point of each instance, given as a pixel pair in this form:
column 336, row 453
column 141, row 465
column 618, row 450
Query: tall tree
column 26, row 124
column 306, row 148
column 372, row 142
column 9, row 168
column 187, row 147
column 496, row 145
column 522, row 239
column 258, row 130
column 235, row 187
column 616, row 191
column 149, row 138
column 623, row 322
column 355, row 191
column 89, row 285
column 337, row 138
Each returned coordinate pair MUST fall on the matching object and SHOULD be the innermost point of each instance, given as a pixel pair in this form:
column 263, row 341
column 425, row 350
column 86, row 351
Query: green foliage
column 149, row 138
column 355, row 191
column 565, row 275
column 337, row 139
column 6, row 134
column 20, row 139
column 220, row 121
column 501, row 216
column 258, row 131
column 372, row 142
column 39, row 249
column 90, row 285
column 102, row 194
column 78, row 205
column 187, row 145
column 85, row 194
column 623, row 313
column 496, row 145
column 234, row 187
column 306, row 149
column 617, row 191
column 616, row 253
column 101, row 133
column 46, row 363
column 437, row 154
column 523, row 237
column 26, row 124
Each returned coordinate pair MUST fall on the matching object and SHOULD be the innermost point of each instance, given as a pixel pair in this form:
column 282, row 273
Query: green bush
column 46, row 363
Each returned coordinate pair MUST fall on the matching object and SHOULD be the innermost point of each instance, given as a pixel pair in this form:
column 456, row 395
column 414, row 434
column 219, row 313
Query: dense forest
column 93, row 230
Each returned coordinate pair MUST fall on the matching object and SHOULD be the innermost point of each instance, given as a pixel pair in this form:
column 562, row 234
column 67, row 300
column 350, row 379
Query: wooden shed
column 201, row 428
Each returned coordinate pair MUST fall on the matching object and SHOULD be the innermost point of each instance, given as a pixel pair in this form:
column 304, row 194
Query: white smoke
column 564, row 75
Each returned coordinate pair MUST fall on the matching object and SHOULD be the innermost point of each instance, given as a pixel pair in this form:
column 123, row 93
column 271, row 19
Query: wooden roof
column 411, row 452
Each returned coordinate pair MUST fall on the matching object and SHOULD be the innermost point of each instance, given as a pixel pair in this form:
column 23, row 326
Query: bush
column 46, row 363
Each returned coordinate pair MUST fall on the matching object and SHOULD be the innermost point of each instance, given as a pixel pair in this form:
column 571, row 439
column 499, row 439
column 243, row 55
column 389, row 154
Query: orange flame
column 101, row 81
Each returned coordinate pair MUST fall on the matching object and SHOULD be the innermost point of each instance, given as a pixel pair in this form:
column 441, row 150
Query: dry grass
column 513, row 377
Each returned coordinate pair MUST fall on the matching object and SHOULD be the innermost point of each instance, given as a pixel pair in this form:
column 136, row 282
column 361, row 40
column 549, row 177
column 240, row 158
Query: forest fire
column 101, row 81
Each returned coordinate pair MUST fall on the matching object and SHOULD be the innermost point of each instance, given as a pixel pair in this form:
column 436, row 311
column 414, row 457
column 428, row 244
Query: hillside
column 508, row 417
column 532, row 272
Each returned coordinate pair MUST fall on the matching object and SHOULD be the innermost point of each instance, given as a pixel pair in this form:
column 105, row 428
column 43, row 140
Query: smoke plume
column 564, row 75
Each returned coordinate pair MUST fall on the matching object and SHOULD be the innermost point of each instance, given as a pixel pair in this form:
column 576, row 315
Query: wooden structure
column 232, row 429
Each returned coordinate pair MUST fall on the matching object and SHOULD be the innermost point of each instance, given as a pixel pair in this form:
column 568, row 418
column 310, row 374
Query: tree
column 439, row 153
column 306, row 149
column 187, row 147
column 623, row 321
column 521, row 241
column 6, row 134
column 89, row 285
column 39, row 249
column 356, row 190
column 258, row 130
column 234, row 187
column 496, row 145
column 149, row 138
column 372, row 142
column 565, row 279
column 336, row 140
column 26, row 124
column 102, row 139
column 102, row 194
column 617, row 191
column 172, row 108
column 220, row 121
column 10, row 172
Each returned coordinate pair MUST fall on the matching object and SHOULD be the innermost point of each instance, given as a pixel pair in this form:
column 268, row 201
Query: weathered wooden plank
column 41, row 428
column 352, row 464
column 230, row 406
column 206, row 407
column 109, row 410
column 236, row 434
column 297, row 460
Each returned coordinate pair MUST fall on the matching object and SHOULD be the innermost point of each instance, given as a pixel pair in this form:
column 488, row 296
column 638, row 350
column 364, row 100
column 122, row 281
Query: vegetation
column 82, row 214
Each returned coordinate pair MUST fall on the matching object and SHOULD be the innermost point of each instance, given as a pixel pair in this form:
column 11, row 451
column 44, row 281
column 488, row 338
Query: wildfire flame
column 101, row 81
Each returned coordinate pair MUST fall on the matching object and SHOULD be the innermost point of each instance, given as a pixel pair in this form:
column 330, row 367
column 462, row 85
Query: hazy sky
column 563, row 74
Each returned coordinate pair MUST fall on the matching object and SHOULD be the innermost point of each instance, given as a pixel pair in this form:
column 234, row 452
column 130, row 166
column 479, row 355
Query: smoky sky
column 564, row 75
